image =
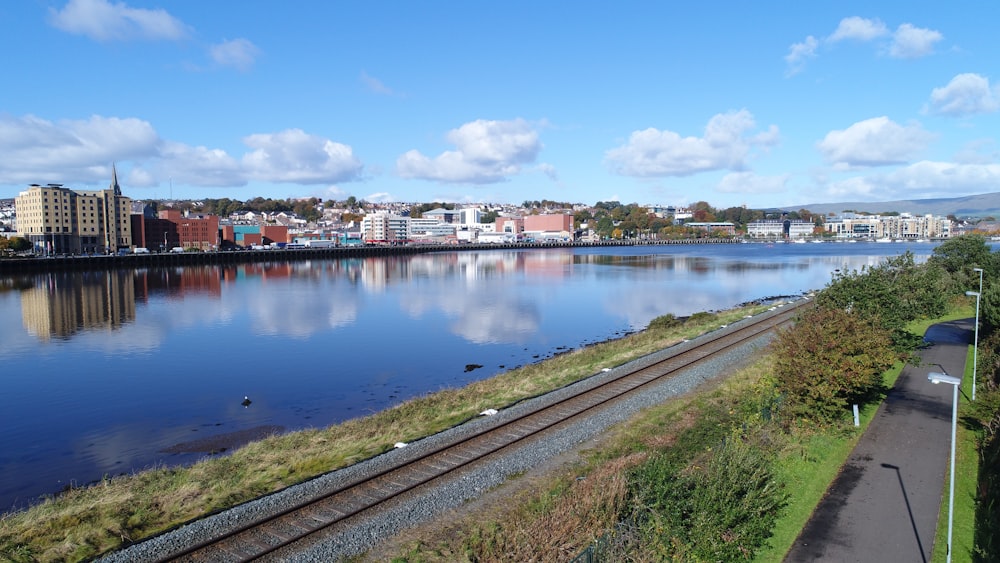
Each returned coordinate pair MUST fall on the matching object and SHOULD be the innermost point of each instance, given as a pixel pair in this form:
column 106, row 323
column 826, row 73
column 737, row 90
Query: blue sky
column 734, row 103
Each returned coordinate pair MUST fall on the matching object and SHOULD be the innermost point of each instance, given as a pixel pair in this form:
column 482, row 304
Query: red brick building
column 171, row 228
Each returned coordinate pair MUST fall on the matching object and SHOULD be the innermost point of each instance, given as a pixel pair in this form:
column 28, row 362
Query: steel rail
column 303, row 520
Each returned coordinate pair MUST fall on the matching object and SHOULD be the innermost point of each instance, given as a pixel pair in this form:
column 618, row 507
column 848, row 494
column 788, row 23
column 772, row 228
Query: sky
column 762, row 104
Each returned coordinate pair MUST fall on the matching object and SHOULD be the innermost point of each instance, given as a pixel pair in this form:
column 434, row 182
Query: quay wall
column 13, row 266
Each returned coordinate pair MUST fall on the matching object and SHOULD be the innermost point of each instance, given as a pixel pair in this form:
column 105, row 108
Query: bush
column 701, row 317
column 664, row 322
column 721, row 507
column 828, row 361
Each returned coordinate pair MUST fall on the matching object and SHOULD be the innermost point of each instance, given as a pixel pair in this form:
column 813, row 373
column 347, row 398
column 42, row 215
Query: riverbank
column 14, row 266
column 83, row 523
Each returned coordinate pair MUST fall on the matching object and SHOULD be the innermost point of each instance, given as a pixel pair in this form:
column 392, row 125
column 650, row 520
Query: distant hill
column 972, row 206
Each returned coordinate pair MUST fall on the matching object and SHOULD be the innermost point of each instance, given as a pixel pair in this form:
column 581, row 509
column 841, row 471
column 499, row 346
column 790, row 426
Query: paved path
column 884, row 504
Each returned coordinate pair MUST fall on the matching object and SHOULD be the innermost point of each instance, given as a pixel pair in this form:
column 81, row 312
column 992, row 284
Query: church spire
column 114, row 180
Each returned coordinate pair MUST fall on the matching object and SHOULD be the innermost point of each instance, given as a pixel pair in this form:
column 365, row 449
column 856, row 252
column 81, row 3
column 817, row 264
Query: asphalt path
column 884, row 504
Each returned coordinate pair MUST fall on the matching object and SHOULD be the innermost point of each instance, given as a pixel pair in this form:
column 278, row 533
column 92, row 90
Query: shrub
column 829, row 360
column 701, row 317
column 721, row 507
column 664, row 322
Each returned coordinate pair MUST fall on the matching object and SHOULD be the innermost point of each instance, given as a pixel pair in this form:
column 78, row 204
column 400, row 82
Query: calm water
column 108, row 372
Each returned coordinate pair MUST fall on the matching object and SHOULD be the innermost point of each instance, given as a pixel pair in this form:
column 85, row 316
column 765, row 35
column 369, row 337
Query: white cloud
column 375, row 85
column 799, row 53
column 199, row 166
column 379, row 197
column 907, row 42
column 966, row 94
column 298, row 157
column 34, row 150
column 911, row 42
column 858, row 28
column 857, row 187
column 943, row 179
column 724, row 146
column 979, row 151
column 750, row 183
column 548, row 170
column 238, row 53
column 487, row 152
column 873, row 142
column 105, row 21
column 920, row 180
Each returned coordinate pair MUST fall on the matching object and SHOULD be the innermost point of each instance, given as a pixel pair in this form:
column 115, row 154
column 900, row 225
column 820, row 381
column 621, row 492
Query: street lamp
column 935, row 378
column 975, row 347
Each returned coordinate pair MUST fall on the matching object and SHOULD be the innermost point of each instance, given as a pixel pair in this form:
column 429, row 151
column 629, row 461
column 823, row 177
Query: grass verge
column 966, row 483
column 85, row 522
column 809, row 460
column 811, row 465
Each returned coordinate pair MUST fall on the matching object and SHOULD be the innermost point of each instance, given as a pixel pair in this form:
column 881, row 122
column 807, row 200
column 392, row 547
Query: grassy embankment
column 586, row 501
column 85, row 522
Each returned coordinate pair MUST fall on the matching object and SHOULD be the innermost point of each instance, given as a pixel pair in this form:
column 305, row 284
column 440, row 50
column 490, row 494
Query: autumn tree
column 828, row 361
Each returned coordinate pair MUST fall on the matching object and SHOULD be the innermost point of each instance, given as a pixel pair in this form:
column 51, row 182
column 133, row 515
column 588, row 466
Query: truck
column 320, row 243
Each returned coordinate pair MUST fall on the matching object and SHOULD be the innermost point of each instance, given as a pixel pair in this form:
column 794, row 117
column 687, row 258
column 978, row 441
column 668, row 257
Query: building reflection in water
column 62, row 304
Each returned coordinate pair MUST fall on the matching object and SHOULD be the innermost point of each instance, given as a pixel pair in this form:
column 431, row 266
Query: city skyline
column 765, row 105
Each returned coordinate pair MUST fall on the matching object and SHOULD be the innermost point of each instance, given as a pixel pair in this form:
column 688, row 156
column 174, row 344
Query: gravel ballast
column 423, row 505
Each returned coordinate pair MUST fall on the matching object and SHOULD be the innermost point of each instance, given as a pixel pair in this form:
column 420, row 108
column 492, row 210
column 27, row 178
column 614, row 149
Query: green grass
column 814, row 460
column 966, row 479
column 86, row 522
column 807, row 468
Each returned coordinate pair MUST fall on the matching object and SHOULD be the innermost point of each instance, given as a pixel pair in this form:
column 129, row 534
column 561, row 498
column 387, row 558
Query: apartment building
column 59, row 220
column 776, row 228
column 382, row 227
column 897, row 227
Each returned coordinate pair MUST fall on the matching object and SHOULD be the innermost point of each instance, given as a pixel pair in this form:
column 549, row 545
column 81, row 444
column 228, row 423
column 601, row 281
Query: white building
column 775, row 228
column 430, row 227
column 382, row 228
column 896, row 227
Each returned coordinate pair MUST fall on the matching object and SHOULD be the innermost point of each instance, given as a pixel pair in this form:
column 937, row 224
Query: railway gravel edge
column 368, row 532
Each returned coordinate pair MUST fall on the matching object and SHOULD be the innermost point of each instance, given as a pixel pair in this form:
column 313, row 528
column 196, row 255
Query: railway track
column 304, row 522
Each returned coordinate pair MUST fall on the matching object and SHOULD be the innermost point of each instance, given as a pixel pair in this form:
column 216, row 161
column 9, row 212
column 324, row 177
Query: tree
column 828, row 361
column 890, row 295
column 20, row 244
column 989, row 304
column 961, row 254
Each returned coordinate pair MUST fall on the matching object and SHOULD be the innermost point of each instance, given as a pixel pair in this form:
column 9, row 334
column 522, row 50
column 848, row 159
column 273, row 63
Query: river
column 110, row 372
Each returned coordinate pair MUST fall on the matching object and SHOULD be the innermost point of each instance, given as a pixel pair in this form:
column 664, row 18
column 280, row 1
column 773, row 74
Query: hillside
column 973, row 206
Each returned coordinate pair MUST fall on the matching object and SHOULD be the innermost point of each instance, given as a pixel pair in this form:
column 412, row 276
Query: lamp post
column 935, row 378
column 975, row 346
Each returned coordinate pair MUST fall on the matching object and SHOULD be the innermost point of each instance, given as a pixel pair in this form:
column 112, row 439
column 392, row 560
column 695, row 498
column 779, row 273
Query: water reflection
column 299, row 299
column 107, row 372
column 58, row 306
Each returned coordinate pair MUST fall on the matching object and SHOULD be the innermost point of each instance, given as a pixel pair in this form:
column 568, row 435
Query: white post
column 975, row 346
column 951, row 486
column 857, row 420
column 975, row 350
column 936, row 378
